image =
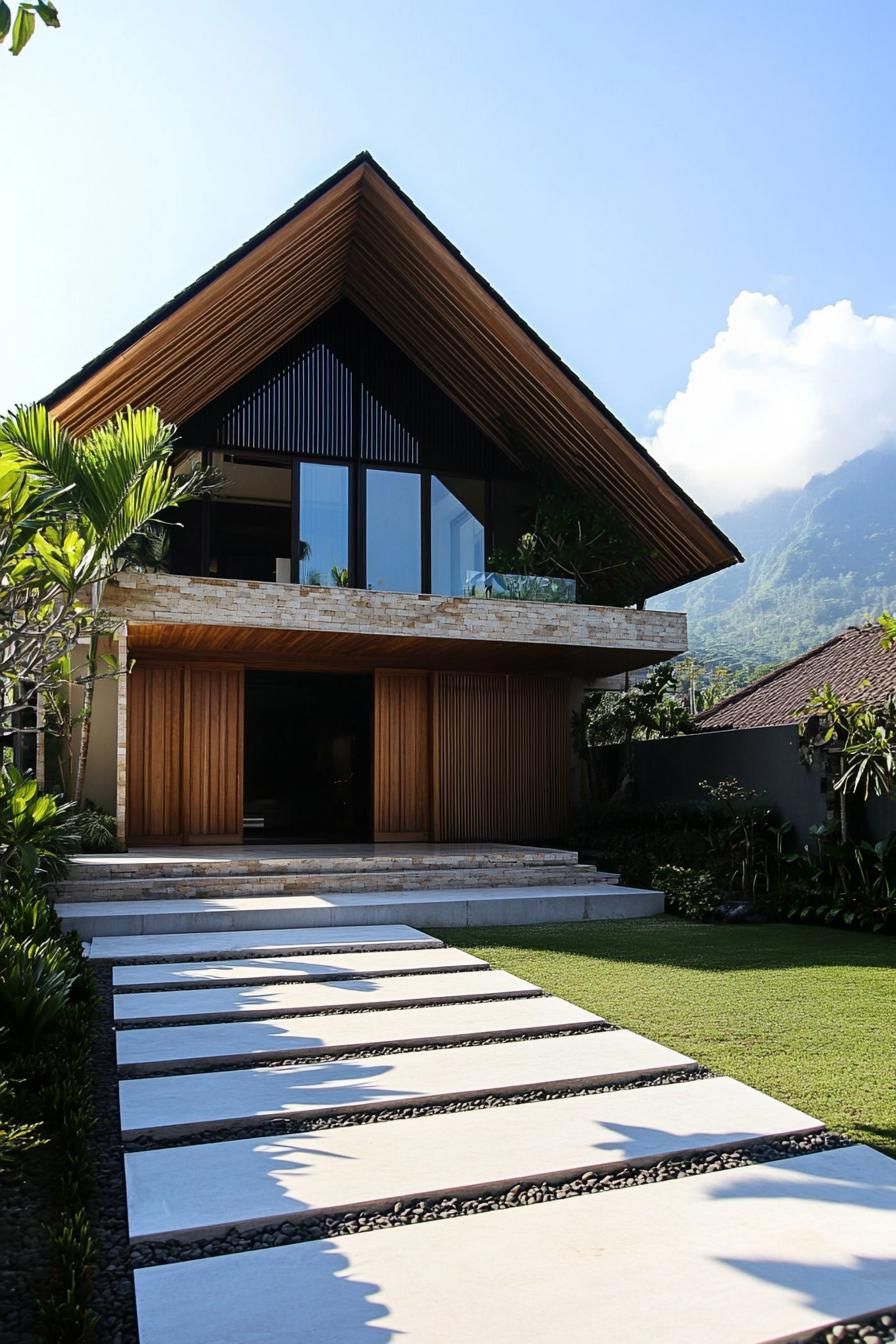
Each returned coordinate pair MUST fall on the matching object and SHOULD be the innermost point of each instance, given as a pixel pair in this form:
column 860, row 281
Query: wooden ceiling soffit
column 359, row 237
column 343, row 651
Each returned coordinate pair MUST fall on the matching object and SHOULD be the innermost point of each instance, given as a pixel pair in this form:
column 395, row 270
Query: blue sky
column 620, row 172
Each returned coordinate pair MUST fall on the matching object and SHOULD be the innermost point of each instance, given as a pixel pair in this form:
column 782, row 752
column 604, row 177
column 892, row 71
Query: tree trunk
column 86, row 718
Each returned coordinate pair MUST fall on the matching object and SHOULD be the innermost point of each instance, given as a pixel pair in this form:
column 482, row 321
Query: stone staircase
column 220, row 892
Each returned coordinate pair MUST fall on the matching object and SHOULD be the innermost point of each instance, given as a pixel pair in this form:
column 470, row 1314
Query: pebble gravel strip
column 371, row 1052
column 456, row 1206
column 345, row 1010
column 294, row 1124
column 113, row 1289
column 879, row 1329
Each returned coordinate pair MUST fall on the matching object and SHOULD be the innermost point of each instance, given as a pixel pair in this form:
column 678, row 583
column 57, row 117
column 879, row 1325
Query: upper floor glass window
column 323, row 525
column 457, row 532
column 251, row 528
column 393, row 531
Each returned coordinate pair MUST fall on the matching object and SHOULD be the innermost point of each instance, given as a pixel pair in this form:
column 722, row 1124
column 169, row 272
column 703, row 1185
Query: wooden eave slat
column 171, row 349
column 360, row 239
column 386, row 225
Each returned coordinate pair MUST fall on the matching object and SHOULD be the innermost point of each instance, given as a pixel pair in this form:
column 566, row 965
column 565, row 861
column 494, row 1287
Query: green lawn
column 806, row 1014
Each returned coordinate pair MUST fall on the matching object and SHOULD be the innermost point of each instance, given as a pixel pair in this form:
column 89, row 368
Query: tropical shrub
column 97, row 830
column 36, row 983
column 690, row 892
column 25, row 912
column 37, row 832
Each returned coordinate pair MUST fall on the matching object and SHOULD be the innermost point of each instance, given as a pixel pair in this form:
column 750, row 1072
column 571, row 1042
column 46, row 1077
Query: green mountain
column 817, row 560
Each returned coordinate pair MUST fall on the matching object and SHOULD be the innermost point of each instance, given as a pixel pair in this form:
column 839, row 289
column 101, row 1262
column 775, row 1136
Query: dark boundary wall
column 765, row 759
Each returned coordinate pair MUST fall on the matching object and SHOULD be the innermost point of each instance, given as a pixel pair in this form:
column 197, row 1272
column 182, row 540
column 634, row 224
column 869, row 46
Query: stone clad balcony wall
column 174, row 598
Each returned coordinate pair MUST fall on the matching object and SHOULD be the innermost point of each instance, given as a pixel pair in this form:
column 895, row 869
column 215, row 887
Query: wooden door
column 185, row 753
column 155, row 753
column 402, row 756
column 213, row 754
column 502, row 756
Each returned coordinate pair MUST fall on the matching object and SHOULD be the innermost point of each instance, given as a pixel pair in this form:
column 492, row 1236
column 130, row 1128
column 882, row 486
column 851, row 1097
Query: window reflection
column 393, row 531
column 323, row 525
column 251, row 520
column 458, row 532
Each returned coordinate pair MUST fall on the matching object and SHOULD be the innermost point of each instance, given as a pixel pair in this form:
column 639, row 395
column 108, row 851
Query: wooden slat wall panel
column 213, row 754
column 155, row 749
column 402, row 770
column 501, row 757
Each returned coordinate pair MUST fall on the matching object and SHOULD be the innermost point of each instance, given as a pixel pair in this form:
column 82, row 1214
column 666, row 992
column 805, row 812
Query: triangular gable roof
column 358, row 236
column 846, row 660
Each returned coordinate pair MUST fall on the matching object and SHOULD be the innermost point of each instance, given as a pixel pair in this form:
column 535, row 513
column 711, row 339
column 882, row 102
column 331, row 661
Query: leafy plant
column 647, row 709
column 574, row 536
column 37, row 832
column 36, row 983
column 741, row 846
column 690, row 892
column 24, row 23
column 15, row 1137
column 25, row 912
column 860, row 738
column 67, row 1314
column 97, row 830
column 110, row 491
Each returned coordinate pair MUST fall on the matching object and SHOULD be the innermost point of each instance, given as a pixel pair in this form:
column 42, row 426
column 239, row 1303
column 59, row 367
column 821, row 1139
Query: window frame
column 357, row 506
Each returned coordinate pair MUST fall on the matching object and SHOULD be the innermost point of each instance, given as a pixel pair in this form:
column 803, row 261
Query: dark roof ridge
column 365, row 158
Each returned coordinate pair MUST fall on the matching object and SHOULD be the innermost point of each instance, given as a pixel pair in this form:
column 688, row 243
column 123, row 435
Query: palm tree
column 119, row 481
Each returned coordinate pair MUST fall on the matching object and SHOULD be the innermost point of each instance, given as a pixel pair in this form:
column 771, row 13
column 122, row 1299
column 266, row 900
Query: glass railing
column 519, row 587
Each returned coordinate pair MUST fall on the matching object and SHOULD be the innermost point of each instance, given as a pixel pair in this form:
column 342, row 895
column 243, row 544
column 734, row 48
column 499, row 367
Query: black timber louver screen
column 342, row 389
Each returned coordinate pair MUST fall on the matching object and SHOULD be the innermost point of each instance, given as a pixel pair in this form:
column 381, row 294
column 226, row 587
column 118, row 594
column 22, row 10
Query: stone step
column 752, row 1255
column 274, row 970
column 157, row 1049
column 166, row 1106
column 359, row 993
column 443, row 908
column 316, row 884
column 204, row 1189
column 253, row 942
column 311, row 859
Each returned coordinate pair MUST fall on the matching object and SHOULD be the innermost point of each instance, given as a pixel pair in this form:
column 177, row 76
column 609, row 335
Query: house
column 753, row 735
column 846, row 661
column 328, row 656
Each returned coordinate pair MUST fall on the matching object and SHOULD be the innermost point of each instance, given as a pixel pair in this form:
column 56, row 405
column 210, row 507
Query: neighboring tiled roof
column 845, row 661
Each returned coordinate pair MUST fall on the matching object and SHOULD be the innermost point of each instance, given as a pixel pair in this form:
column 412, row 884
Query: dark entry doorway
column 307, row 757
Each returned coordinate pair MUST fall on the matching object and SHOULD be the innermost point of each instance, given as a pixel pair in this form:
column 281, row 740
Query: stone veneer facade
column 174, row 598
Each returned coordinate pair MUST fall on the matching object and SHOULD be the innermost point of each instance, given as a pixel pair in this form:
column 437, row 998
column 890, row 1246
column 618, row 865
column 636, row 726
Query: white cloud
column 772, row 402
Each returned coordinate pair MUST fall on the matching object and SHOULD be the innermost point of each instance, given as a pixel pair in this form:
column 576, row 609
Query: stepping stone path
column 476, row 1125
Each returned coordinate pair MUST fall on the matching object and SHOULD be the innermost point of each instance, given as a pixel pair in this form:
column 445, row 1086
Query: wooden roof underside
column 345, row 651
column 359, row 237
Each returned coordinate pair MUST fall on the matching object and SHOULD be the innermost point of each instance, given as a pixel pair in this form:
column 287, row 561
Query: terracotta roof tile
column 845, row 661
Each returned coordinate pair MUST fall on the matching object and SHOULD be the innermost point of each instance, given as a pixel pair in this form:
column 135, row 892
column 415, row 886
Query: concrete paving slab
column 154, row 1049
column 206, row 1188
column 251, row 942
column 359, row 992
column 319, row 966
column 438, row 907
column 194, row 1101
column 749, row 1256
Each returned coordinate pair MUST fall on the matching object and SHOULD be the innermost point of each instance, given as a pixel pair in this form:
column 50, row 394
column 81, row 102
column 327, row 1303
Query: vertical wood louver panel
column 402, row 776
column 501, row 757
column 213, row 754
column 155, row 748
